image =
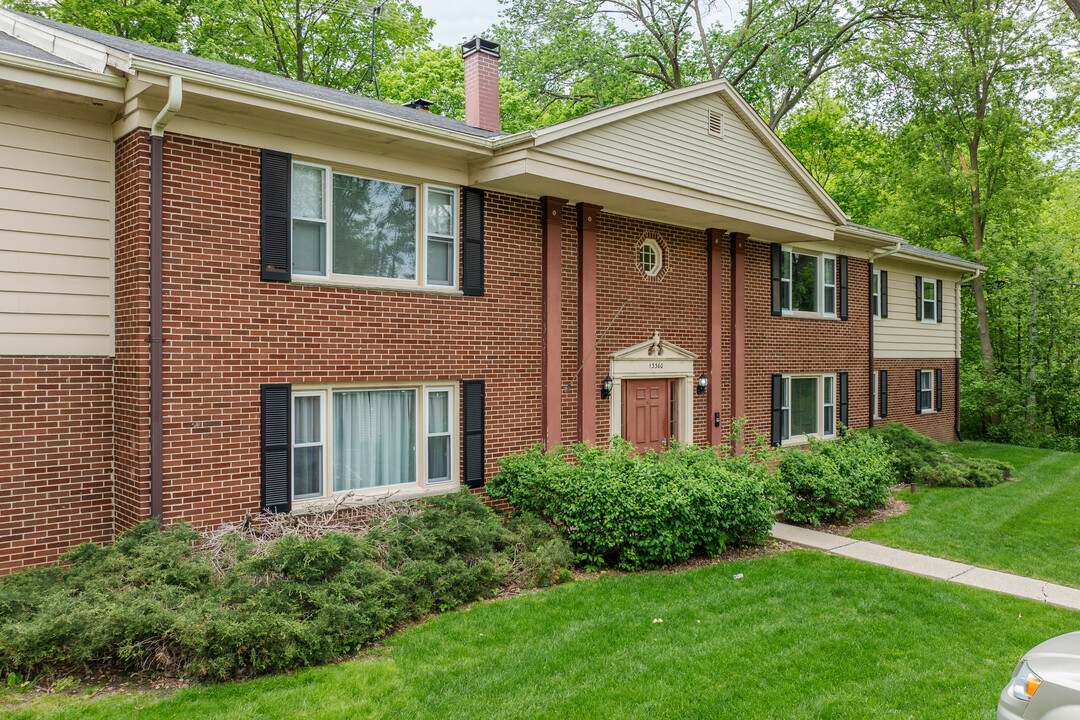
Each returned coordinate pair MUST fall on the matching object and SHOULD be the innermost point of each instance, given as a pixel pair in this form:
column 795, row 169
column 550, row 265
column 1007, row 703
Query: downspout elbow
column 176, row 99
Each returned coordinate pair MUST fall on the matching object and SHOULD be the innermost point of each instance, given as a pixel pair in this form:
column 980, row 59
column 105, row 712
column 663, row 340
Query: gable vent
column 716, row 124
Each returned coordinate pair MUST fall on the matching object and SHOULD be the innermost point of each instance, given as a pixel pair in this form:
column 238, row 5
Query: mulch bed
column 893, row 508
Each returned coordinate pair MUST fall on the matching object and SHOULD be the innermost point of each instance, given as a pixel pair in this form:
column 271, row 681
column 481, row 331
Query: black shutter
column 918, row 297
column 472, row 245
column 776, row 307
column 842, row 400
column 276, row 216
column 918, row 400
column 940, row 287
column 472, row 421
column 841, row 289
column 883, row 293
column 777, row 411
column 883, row 394
column 937, row 389
column 276, row 450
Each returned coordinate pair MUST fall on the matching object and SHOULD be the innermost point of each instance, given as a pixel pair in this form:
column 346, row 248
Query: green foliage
column 919, row 459
column 833, row 481
column 631, row 511
column 152, row 601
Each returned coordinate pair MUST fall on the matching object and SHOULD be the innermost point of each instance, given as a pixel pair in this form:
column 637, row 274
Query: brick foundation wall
column 55, row 457
column 788, row 344
column 939, row 426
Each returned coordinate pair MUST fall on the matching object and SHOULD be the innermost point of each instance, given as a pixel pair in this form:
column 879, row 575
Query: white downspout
column 176, row 99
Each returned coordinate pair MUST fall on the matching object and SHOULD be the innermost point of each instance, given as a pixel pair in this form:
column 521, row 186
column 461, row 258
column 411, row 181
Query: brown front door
column 648, row 413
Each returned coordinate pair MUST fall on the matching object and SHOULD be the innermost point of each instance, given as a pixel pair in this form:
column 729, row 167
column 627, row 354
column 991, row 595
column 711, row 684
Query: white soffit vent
column 716, row 124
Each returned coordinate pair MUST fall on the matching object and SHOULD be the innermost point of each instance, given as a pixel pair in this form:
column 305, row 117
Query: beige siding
column 56, row 231
column 673, row 144
column 902, row 336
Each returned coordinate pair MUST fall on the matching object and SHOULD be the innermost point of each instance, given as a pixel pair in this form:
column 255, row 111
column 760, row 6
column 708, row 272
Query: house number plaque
column 656, row 366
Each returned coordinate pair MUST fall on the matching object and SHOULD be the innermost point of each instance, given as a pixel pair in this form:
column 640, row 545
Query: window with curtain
column 348, row 439
column 804, row 406
column 374, row 438
column 807, row 406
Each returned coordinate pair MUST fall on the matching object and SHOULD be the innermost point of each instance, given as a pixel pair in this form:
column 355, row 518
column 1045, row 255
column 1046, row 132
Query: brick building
column 223, row 292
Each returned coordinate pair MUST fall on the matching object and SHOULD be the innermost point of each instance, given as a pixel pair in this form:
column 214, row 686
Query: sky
column 459, row 20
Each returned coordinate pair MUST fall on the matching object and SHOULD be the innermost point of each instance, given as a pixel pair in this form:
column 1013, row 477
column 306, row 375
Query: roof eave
column 154, row 67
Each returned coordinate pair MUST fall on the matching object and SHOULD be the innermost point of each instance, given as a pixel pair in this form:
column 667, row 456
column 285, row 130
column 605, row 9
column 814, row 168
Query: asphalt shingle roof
column 15, row 46
column 255, row 77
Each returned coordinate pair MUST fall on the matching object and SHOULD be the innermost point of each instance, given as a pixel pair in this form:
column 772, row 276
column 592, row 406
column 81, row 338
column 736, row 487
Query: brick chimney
column 481, row 83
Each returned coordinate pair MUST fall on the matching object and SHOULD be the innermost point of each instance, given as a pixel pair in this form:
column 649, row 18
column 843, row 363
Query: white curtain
column 374, row 438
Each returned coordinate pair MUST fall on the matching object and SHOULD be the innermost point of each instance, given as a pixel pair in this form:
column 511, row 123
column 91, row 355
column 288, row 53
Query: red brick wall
column 901, row 404
column 227, row 331
column 673, row 304
column 789, row 344
column 55, row 457
column 131, row 368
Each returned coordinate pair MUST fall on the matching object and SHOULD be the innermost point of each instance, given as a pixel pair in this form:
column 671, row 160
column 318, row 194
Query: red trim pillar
column 715, row 240
column 738, row 324
column 586, row 384
column 551, row 225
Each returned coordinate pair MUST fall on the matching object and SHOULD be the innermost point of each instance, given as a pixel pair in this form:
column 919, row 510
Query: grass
column 1027, row 527
column 800, row 635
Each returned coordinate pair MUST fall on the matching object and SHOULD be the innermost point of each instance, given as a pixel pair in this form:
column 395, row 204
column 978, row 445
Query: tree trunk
column 1033, row 336
column 1074, row 5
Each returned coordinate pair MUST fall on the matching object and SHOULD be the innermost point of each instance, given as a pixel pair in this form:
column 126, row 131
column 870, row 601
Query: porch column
column 738, row 324
column 586, row 360
column 551, row 361
column 715, row 240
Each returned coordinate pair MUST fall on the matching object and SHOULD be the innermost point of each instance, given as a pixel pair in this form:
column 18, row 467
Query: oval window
column 650, row 257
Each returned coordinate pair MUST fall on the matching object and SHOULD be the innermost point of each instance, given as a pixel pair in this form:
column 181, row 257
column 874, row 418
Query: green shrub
column 833, row 481
column 153, row 601
column 630, row 511
column 921, row 460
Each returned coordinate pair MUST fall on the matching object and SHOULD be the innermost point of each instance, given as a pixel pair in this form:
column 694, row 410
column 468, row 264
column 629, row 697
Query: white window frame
column 825, row 285
column 421, row 230
column 324, row 442
column 828, row 402
column 327, row 222
column 420, row 484
column 819, row 289
column 658, row 253
column 931, row 406
column 932, row 317
column 428, row 391
column 876, row 295
column 786, row 437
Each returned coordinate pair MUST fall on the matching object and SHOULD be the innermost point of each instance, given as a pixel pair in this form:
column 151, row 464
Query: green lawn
column 1029, row 527
column 801, row 635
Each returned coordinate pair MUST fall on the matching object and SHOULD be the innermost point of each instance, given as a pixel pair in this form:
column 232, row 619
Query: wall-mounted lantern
column 702, row 384
column 605, row 388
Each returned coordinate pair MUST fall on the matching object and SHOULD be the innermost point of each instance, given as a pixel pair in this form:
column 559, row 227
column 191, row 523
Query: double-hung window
column 807, row 407
column 365, row 230
column 926, row 390
column 807, row 283
column 929, row 300
column 362, row 438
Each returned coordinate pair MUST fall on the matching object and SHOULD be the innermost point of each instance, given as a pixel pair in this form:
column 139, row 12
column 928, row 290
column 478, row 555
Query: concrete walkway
column 930, row 566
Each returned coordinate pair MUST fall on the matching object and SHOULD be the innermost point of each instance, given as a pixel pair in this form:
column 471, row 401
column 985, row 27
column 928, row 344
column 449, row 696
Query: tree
column 964, row 83
column 325, row 42
column 595, row 52
column 160, row 22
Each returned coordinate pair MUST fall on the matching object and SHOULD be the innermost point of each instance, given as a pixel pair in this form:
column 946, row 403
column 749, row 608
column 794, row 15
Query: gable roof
column 733, row 102
column 233, row 72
